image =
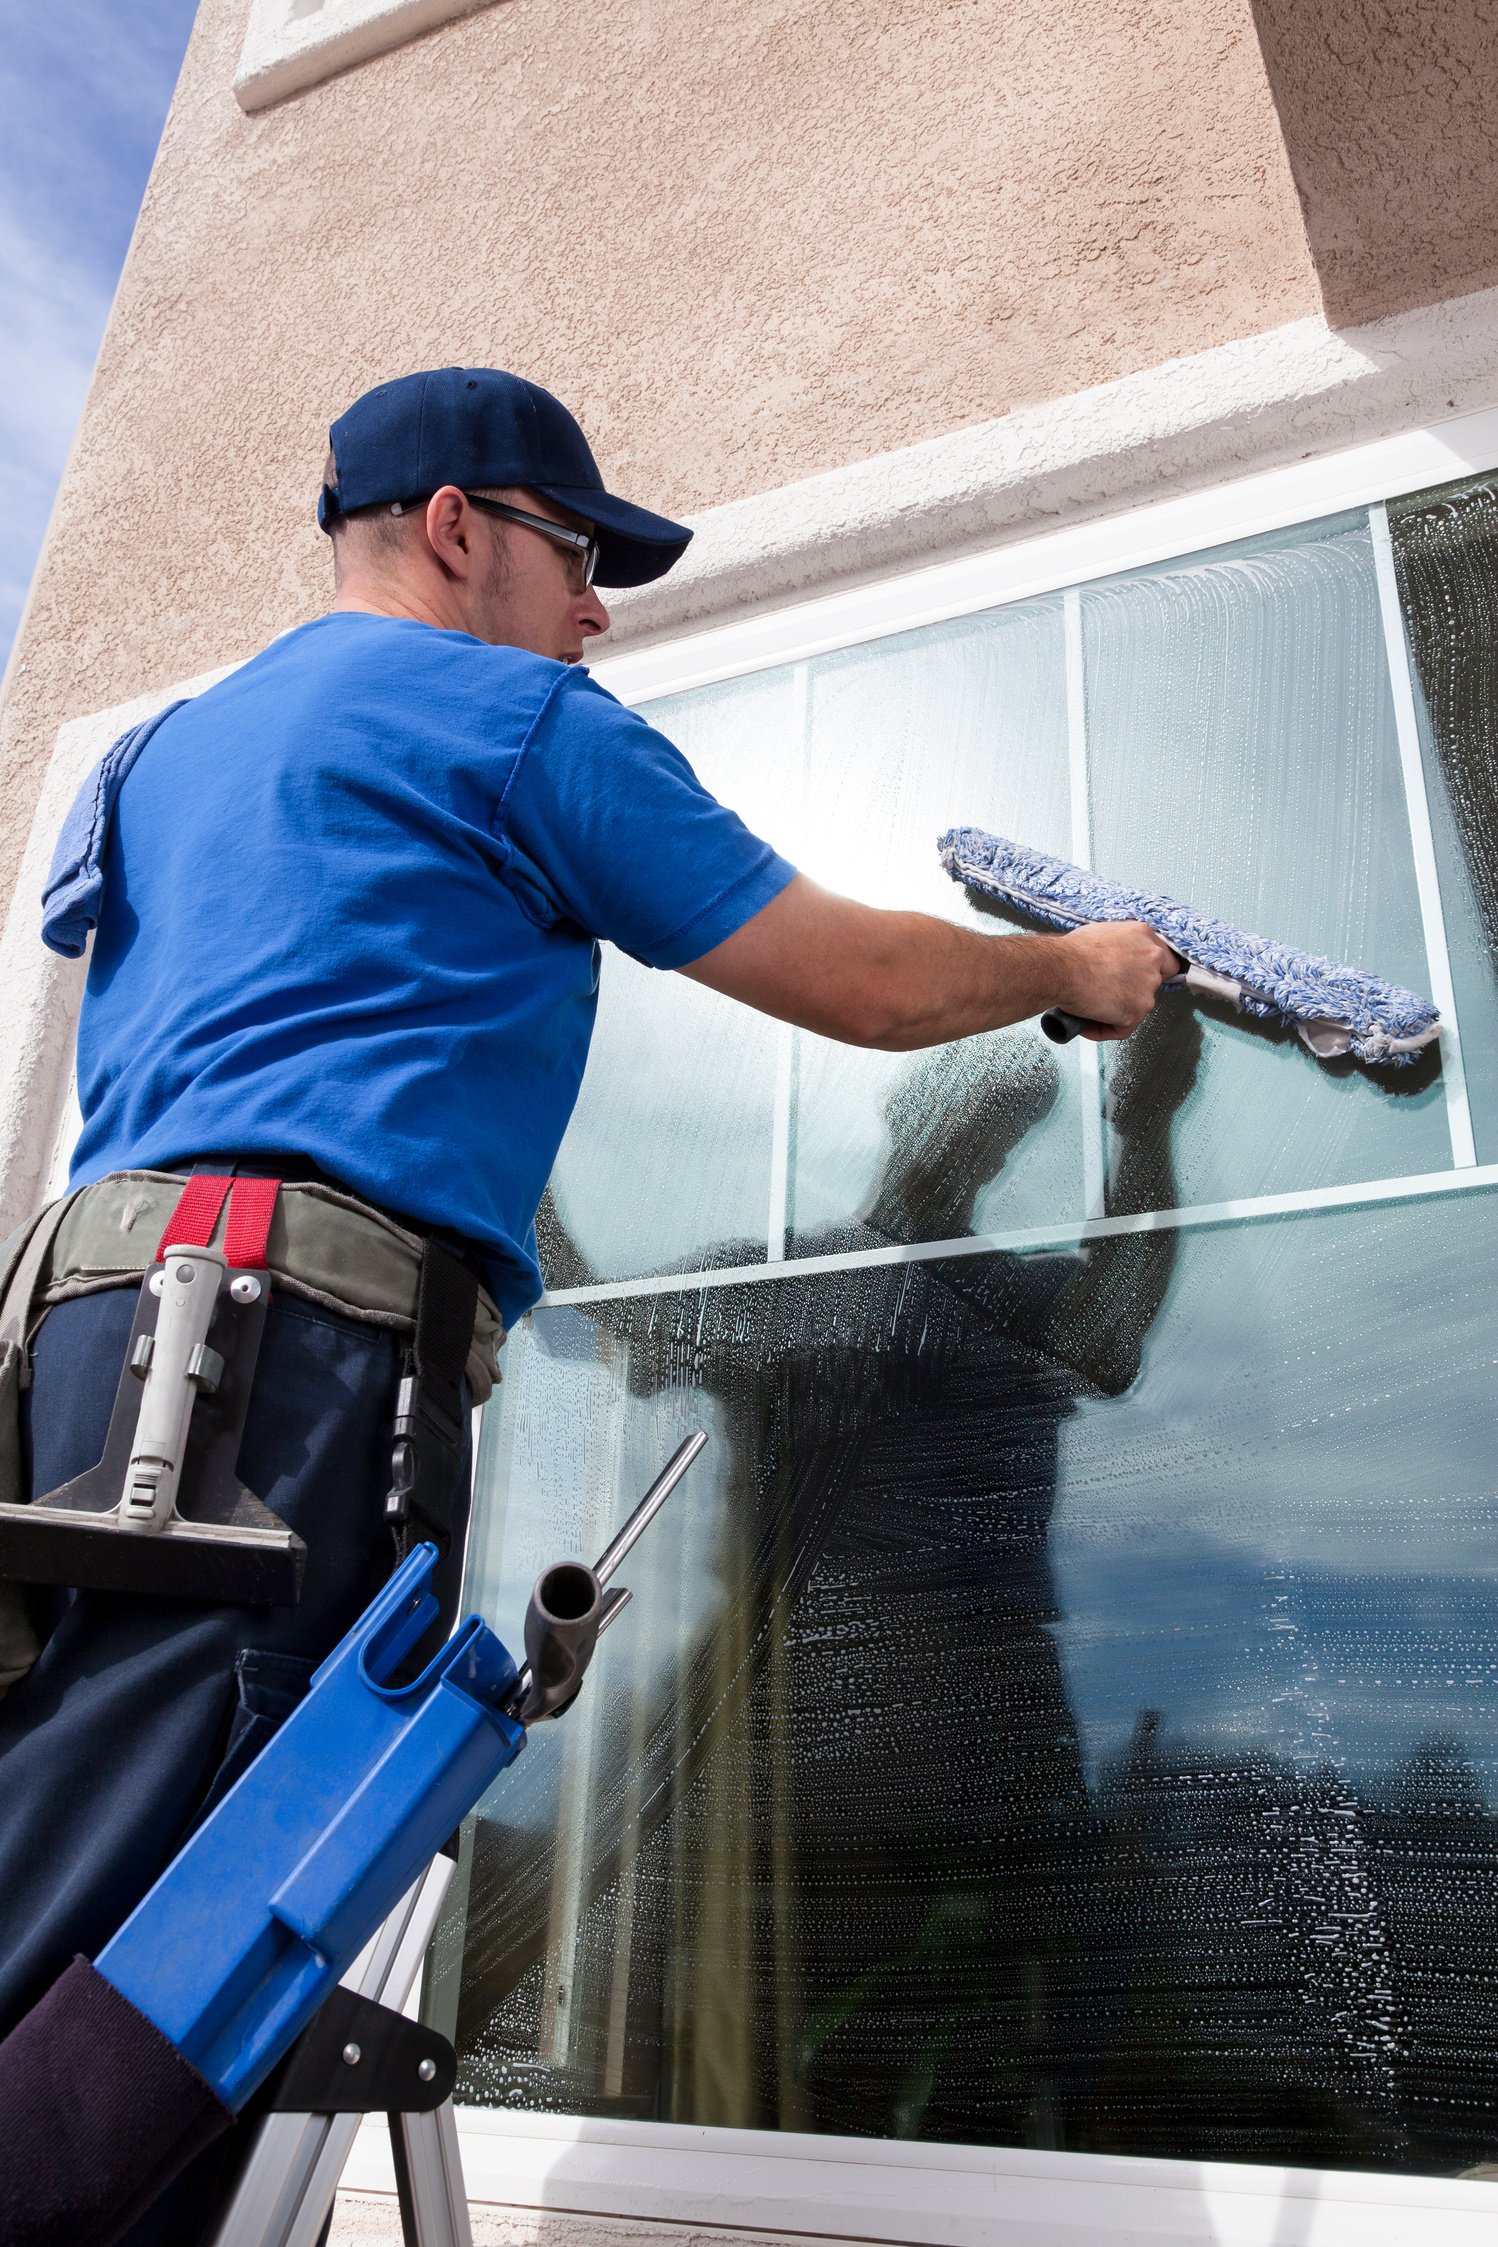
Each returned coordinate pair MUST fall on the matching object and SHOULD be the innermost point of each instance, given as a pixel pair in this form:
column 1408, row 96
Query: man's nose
column 591, row 614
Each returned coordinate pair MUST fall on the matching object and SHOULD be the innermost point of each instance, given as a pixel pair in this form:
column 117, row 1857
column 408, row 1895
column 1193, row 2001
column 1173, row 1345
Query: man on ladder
column 346, row 908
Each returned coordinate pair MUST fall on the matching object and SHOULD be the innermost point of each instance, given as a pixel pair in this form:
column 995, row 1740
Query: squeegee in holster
column 164, row 1512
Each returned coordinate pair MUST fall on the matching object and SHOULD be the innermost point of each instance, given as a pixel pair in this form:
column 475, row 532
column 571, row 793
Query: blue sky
column 84, row 91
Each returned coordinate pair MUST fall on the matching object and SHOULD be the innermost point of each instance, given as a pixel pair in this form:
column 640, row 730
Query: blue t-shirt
column 350, row 911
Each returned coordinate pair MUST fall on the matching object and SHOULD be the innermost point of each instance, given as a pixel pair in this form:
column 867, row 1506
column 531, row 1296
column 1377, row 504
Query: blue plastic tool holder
column 269, row 1903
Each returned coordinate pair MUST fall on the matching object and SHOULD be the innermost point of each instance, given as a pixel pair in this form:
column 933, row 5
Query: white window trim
column 872, row 2189
column 285, row 53
column 1272, row 499
column 949, row 2196
column 1191, row 1217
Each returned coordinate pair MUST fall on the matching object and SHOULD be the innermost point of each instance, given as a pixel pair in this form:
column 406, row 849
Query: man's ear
column 447, row 529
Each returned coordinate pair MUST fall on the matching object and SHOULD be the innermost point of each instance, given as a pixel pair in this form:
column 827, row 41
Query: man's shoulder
column 352, row 675
column 389, row 648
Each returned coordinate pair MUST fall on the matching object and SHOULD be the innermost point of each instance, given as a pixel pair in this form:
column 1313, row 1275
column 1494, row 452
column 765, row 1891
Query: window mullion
column 1094, row 1175
column 778, row 1221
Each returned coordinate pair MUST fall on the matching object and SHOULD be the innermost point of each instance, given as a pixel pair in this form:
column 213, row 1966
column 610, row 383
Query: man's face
column 531, row 593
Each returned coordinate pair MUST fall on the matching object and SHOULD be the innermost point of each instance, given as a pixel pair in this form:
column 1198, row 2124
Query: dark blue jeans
column 141, row 1711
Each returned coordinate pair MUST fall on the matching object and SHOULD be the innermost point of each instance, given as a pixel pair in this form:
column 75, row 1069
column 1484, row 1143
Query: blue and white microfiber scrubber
column 1335, row 1009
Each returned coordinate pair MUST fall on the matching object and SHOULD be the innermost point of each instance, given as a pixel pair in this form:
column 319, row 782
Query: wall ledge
column 293, row 44
column 1264, row 401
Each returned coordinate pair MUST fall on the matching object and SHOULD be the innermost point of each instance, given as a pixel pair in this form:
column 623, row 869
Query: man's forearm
column 925, row 981
column 901, row 980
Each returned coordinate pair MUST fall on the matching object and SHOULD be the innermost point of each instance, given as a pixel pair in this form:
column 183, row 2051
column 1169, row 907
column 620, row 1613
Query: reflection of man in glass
column 878, row 1830
column 937, row 1754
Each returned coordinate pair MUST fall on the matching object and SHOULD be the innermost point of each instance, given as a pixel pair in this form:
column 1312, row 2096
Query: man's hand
column 898, row 981
column 1116, row 969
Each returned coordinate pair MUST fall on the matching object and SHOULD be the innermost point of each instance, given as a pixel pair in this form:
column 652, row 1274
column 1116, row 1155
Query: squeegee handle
column 1061, row 1027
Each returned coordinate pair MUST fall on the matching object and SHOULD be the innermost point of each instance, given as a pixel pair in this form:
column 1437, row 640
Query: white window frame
column 962, row 2196
column 286, row 51
column 728, row 2182
column 821, row 2186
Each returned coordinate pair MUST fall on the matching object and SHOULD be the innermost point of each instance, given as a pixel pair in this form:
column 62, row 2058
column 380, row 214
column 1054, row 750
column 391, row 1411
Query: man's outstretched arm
column 903, row 980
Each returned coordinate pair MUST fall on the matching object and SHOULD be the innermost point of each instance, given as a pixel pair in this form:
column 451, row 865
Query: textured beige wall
column 1388, row 110
column 745, row 243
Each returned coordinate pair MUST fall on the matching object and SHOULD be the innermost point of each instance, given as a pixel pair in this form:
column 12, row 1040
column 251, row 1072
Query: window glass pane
column 1446, row 555
column 1243, row 757
column 666, row 1163
column 1059, row 1710
column 957, row 725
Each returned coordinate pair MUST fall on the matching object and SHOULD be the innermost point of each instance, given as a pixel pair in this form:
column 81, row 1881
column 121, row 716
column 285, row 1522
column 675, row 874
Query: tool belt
column 312, row 1242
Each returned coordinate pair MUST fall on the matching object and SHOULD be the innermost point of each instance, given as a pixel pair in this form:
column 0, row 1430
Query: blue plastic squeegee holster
column 269, row 1903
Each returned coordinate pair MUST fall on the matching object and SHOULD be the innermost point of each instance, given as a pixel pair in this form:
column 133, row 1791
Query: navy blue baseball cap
column 480, row 429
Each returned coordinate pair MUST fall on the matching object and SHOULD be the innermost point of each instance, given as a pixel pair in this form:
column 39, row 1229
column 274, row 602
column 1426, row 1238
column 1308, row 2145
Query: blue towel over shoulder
column 74, row 890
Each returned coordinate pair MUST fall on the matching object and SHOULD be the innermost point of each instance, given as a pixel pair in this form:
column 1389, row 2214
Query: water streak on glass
column 1243, row 757
column 959, row 725
column 667, row 1158
column 1446, row 559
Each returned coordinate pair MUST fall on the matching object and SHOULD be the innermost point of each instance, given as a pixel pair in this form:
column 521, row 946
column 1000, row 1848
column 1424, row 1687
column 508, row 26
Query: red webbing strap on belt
column 251, row 1203
column 192, row 1221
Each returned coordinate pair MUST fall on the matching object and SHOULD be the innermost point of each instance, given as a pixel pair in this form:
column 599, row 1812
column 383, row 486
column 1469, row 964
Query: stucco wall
column 748, row 244
column 1387, row 108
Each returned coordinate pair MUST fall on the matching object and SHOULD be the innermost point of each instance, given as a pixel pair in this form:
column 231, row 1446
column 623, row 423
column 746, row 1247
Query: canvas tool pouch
column 22, row 1259
column 324, row 1246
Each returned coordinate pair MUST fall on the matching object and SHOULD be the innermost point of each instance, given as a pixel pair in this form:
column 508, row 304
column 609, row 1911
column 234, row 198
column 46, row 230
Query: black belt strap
column 429, row 1419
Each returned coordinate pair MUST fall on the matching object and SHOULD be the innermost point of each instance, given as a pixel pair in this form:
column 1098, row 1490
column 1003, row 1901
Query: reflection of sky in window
column 961, row 723
column 666, row 1162
column 1283, row 1536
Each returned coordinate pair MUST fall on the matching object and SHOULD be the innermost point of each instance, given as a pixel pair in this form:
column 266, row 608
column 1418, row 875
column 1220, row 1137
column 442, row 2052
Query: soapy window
column 1060, row 1709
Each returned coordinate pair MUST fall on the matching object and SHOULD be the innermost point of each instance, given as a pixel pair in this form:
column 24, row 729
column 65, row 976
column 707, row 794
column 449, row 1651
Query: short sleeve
column 605, row 824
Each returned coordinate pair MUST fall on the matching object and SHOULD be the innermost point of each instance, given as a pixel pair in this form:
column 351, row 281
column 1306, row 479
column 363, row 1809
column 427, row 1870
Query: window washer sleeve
column 100, row 2113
